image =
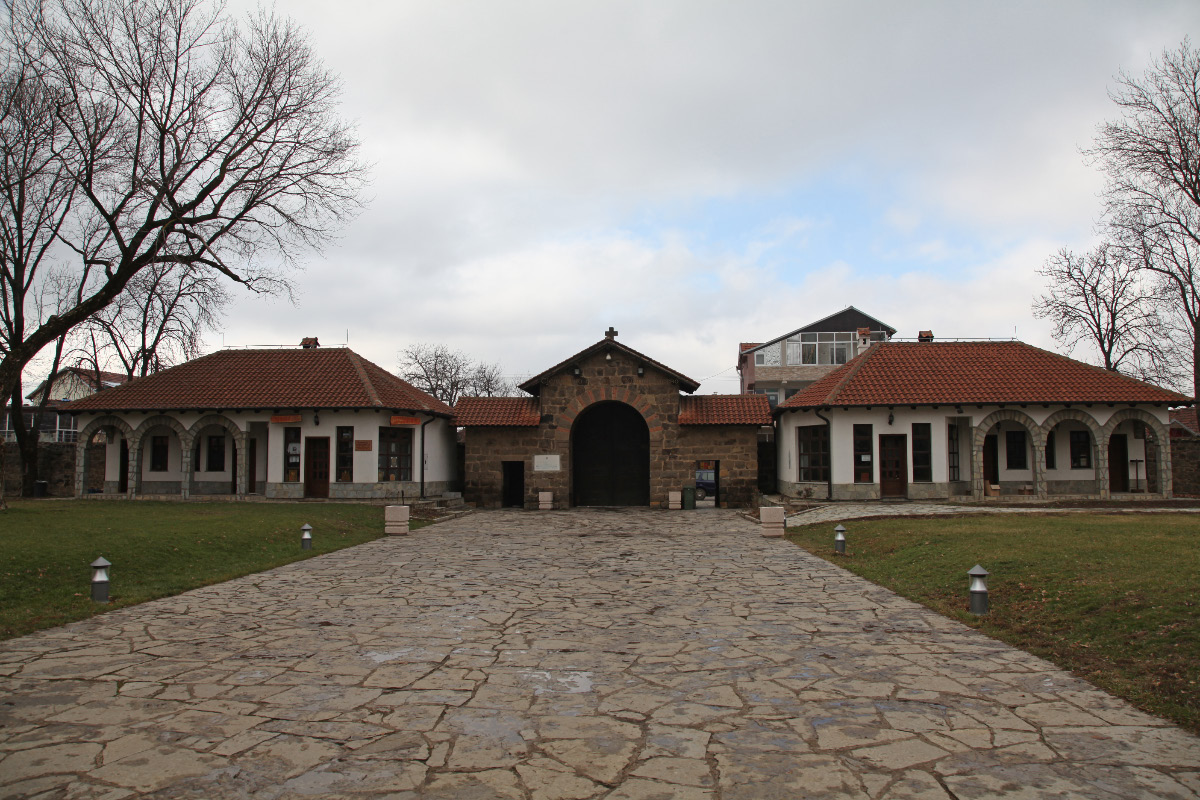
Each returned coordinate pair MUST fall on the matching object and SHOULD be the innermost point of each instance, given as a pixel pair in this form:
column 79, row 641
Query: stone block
column 674, row 500
column 545, row 501
column 772, row 518
column 395, row 520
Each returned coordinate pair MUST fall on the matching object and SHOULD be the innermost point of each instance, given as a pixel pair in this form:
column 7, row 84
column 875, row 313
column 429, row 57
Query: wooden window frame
column 922, row 452
column 812, row 454
column 1011, row 462
column 401, row 471
column 160, row 452
column 864, row 445
column 344, row 454
column 292, row 466
column 1081, row 450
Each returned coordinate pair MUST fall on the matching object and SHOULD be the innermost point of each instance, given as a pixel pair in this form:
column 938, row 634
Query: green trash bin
column 689, row 498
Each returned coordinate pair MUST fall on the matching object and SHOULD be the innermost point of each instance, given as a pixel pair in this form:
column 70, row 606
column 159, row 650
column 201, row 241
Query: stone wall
column 56, row 466
column 1185, row 465
column 674, row 450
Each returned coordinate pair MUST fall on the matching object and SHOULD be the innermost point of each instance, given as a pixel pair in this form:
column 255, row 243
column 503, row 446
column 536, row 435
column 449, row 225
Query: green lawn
column 1113, row 598
column 157, row 549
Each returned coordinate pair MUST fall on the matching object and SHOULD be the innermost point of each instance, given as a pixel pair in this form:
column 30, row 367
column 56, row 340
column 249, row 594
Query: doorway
column 708, row 484
column 123, row 468
column 610, row 456
column 893, row 465
column 316, row 466
column 233, row 469
column 251, row 467
column 991, row 461
column 512, row 492
column 1118, row 463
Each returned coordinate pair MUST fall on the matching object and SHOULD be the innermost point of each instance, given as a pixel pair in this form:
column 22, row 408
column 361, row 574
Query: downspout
column 423, row 424
column 829, row 437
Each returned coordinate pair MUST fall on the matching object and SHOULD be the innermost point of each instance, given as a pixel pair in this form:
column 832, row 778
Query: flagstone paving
column 561, row 655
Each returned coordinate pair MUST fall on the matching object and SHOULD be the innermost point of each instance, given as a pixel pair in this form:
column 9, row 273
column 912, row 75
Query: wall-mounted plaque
column 552, row 463
column 285, row 418
column 405, row 421
column 364, row 445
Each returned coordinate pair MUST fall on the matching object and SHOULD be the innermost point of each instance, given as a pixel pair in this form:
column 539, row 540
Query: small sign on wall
column 550, row 463
column 364, row 445
column 405, row 421
column 284, row 419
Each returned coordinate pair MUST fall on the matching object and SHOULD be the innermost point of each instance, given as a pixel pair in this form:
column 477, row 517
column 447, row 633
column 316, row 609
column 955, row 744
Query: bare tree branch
column 450, row 375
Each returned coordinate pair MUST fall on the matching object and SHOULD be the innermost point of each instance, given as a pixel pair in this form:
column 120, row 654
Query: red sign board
column 406, row 421
column 285, row 418
column 364, row 444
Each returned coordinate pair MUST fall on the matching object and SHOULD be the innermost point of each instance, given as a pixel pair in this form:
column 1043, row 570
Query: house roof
column 95, row 380
column 848, row 319
column 685, row 383
column 321, row 377
column 506, row 412
column 725, row 409
column 1186, row 418
column 945, row 373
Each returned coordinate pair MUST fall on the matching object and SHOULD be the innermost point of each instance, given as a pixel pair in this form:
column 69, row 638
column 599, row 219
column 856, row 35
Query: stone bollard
column 772, row 518
column 545, row 501
column 674, row 500
column 395, row 520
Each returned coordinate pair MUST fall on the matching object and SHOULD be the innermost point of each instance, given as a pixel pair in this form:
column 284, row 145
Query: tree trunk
column 27, row 442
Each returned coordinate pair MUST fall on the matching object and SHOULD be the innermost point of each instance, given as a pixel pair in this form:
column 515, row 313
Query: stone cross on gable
column 611, row 333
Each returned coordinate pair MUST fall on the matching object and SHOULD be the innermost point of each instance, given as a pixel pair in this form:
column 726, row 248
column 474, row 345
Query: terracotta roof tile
column 942, row 373
column 497, row 412
column 322, row 377
column 725, row 409
column 1187, row 418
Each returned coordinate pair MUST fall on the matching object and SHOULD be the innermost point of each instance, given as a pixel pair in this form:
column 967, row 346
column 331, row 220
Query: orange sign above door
column 406, row 421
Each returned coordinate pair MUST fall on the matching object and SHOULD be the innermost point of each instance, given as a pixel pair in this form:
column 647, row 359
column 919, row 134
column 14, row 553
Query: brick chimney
column 864, row 339
column 310, row 343
column 925, row 336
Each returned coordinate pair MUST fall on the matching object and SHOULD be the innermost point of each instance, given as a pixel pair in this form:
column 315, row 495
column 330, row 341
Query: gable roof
column 478, row 412
column 322, row 377
column 93, row 379
column 725, row 409
column 848, row 319
column 951, row 373
column 533, row 384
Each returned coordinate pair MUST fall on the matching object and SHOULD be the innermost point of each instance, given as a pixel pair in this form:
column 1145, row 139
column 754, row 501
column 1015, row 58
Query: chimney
column 864, row 339
column 925, row 336
column 310, row 343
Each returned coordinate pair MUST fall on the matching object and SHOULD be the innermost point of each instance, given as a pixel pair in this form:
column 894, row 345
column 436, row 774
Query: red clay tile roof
column 505, row 412
column 725, row 409
column 322, row 377
column 744, row 346
column 533, row 384
column 944, row 373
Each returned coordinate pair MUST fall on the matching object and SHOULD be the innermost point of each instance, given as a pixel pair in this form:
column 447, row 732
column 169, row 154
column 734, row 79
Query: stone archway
column 240, row 438
column 135, row 452
column 1165, row 483
column 85, row 439
column 1099, row 461
column 610, row 456
column 1037, row 442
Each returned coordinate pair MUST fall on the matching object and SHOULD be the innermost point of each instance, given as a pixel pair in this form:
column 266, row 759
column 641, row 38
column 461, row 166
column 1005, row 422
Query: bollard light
column 979, row 590
column 839, row 540
column 100, row 579
column 306, row 537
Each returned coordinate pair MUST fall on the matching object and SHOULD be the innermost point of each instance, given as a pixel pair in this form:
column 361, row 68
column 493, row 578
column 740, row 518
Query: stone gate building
column 609, row 426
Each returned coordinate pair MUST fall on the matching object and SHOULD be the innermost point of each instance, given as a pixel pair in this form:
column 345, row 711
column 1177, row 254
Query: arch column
column 240, row 445
column 1037, row 449
column 135, row 456
column 1165, row 482
column 84, row 440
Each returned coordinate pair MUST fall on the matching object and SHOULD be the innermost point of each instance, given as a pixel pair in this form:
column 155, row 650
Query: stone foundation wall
column 856, row 491
column 1074, row 487
column 1185, row 465
column 735, row 446
column 56, row 466
column 806, row 490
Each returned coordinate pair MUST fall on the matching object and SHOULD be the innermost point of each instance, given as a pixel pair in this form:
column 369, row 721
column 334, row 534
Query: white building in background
column 282, row 423
column 973, row 419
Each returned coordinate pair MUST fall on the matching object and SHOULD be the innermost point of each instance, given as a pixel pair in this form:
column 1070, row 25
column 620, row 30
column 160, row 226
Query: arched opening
column 1007, row 455
column 1070, row 458
column 610, row 456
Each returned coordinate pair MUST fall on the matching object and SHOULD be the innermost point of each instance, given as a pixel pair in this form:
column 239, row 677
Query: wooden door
column 893, row 465
column 610, row 456
column 1118, row 463
column 316, row 466
column 252, row 466
column 991, row 460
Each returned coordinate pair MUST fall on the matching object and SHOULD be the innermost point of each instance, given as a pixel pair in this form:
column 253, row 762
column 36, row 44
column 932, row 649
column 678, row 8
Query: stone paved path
column 601, row 654
column 844, row 511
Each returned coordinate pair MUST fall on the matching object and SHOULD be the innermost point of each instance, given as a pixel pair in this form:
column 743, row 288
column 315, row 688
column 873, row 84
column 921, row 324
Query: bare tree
column 451, row 374
column 1152, row 157
column 158, row 321
column 1100, row 299
column 189, row 141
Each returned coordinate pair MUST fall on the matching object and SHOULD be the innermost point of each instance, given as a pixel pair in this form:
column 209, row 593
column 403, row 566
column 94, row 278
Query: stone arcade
column 608, row 426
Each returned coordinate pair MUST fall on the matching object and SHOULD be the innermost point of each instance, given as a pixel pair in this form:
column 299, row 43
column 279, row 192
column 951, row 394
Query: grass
column 1115, row 599
column 157, row 550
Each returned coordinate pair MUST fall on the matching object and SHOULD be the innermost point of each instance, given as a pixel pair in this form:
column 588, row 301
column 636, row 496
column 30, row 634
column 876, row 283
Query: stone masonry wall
column 56, row 466
column 1185, row 465
column 736, row 446
column 483, row 476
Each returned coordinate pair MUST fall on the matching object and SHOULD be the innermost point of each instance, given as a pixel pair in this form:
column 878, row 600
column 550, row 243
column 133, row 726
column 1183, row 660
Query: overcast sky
column 698, row 174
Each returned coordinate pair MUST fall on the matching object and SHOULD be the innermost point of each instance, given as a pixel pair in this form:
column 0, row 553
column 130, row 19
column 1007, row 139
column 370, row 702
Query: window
column 196, row 457
column 216, row 453
column 793, row 354
column 158, row 453
column 772, row 396
column 864, row 454
column 1014, row 446
column 922, row 452
column 291, row 455
column 953, row 467
column 1081, row 450
column 395, row 454
column 813, row 453
column 760, row 359
column 345, row 453
column 1051, row 456
column 809, row 348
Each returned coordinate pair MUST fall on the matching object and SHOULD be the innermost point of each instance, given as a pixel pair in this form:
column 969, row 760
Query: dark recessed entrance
column 512, row 493
column 893, row 465
column 610, row 456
